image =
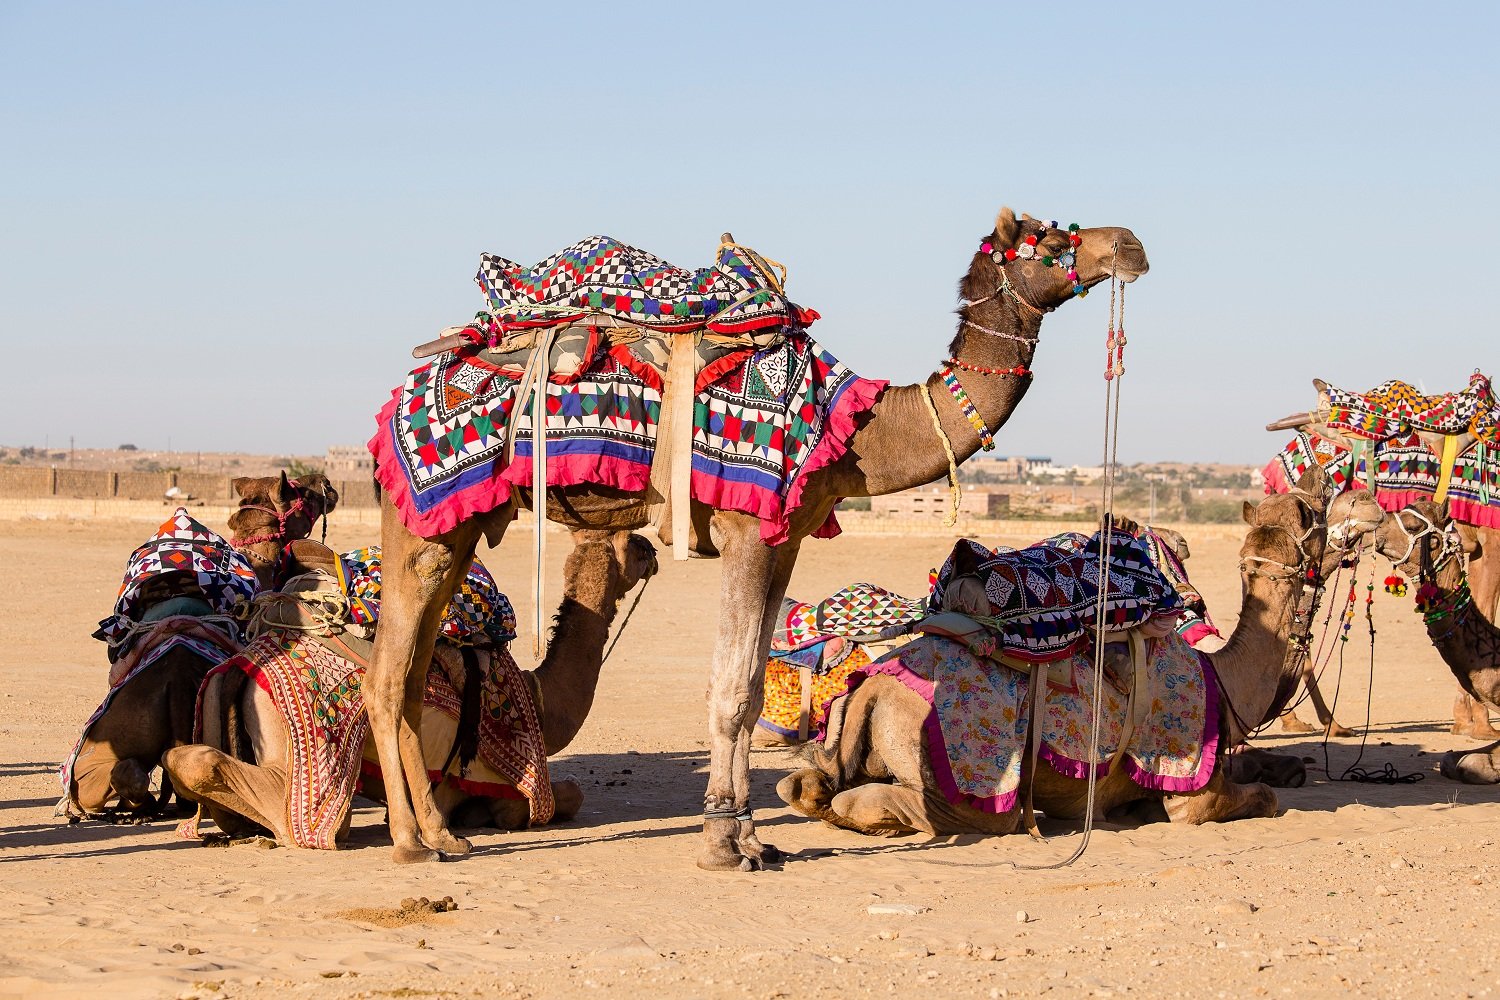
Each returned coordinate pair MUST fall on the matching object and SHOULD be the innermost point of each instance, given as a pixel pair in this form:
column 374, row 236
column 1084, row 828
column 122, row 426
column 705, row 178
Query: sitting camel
column 240, row 795
column 123, row 744
column 1427, row 545
column 873, row 774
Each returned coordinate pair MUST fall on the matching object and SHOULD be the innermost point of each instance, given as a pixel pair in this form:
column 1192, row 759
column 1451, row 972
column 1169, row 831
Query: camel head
column 604, row 566
column 1352, row 515
column 1421, row 534
column 1048, row 264
column 1288, row 532
column 275, row 510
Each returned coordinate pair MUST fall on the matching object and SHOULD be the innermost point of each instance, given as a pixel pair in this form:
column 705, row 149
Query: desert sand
column 1355, row 888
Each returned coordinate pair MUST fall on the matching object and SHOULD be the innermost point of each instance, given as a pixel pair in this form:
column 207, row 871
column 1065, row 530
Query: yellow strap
column 955, row 491
column 1038, row 707
column 1446, row 463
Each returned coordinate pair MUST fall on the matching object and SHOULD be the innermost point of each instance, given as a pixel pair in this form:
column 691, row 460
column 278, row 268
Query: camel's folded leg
column 881, row 810
column 99, row 778
column 419, row 576
column 1221, row 800
column 221, row 784
column 1472, row 767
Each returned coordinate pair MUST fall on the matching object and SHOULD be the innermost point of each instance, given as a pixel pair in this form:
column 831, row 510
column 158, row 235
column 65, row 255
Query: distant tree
column 296, row 468
column 127, row 447
column 855, row 503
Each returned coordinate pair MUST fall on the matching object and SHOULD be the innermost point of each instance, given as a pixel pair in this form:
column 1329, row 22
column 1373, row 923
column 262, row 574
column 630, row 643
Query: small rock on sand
column 1235, row 908
column 1022, row 917
column 895, row 909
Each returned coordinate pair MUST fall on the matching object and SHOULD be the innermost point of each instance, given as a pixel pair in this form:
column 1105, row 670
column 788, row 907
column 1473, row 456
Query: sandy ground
column 1355, row 888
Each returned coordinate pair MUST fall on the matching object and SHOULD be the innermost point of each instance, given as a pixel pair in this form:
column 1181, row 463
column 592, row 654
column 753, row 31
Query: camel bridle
column 1304, row 570
column 1448, row 543
column 297, row 506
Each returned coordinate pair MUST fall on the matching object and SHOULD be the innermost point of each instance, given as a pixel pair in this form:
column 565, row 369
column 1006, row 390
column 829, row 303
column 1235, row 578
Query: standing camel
column 598, row 573
column 1423, row 542
column 874, row 774
column 895, row 447
column 1470, row 718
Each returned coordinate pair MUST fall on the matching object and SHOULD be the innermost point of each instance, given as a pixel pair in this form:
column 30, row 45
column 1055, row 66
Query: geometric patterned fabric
column 1395, row 409
column 758, row 430
column 478, row 613
column 599, row 274
column 181, row 544
column 977, row 727
column 1042, row 598
column 1405, row 470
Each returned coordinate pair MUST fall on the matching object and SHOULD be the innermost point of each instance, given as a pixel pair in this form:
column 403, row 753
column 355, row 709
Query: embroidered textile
column 862, row 610
column 738, row 293
column 1042, row 598
column 1195, row 623
column 783, row 709
column 477, row 613
column 510, row 730
column 977, row 729
column 319, row 695
column 1395, row 409
column 1405, row 470
column 781, row 414
column 183, row 545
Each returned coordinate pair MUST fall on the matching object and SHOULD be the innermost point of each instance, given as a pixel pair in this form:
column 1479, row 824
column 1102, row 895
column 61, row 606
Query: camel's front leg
column 418, row 578
column 754, row 581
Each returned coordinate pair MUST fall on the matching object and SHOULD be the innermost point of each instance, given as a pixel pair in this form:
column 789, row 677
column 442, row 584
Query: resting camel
column 598, row 573
column 154, row 711
column 1424, row 543
column 1470, row 717
column 873, row 774
column 895, row 448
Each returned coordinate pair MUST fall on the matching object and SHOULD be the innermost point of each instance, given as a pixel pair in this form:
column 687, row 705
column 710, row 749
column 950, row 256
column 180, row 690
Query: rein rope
column 626, row 620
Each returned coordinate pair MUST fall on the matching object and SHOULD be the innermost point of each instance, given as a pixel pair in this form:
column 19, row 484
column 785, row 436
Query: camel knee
column 1472, row 768
column 132, row 783
column 192, row 768
column 808, row 791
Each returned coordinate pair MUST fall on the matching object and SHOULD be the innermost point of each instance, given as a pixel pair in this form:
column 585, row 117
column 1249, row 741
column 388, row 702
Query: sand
column 1355, row 887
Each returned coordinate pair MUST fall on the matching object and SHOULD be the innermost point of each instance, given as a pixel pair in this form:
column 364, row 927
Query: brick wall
column 28, row 482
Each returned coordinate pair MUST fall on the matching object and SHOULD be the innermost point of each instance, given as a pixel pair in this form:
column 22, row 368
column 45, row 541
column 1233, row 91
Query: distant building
column 348, row 461
column 1083, row 473
column 1007, row 468
column 933, row 501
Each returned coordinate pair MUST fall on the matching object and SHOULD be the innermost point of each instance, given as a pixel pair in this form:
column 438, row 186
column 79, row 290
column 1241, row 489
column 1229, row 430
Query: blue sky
column 228, row 224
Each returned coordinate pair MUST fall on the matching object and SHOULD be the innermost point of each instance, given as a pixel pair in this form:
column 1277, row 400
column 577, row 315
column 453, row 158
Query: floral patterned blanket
column 976, row 732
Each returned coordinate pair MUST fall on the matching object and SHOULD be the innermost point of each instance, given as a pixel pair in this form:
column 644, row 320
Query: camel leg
column 1472, row 767
column 1325, row 715
column 220, row 783
column 753, row 582
column 418, row 578
column 1221, row 800
column 1471, row 718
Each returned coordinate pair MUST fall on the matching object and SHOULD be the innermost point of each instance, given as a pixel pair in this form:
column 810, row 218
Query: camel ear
column 1313, row 481
column 241, row 484
column 1007, row 229
column 284, row 491
column 1468, row 539
column 1248, row 513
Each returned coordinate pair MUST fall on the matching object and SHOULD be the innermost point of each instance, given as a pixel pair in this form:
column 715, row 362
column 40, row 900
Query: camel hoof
column 1336, row 729
column 413, row 855
column 746, row 865
column 450, row 846
column 1292, row 724
column 721, row 851
column 1484, row 733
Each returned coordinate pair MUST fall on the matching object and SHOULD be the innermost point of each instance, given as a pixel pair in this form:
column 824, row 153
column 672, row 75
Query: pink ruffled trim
column 858, row 398
column 1275, row 477
column 390, row 473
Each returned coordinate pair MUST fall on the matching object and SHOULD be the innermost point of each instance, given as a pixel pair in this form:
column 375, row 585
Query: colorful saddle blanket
column 782, row 713
column 977, row 729
column 182, row 545
column 478, row 613
column 779, row 415
column 1196, row 623
column 1394, row 409
column 320, row 695
column 738, row 293
column 1404, row 469
column 1042, row 599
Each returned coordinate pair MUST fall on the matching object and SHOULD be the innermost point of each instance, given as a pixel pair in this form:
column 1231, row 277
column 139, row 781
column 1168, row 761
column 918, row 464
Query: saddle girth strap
column 1135, row 704
column 672, row 462
column 1038, row 703
column 1445, row 467
column 804, row 716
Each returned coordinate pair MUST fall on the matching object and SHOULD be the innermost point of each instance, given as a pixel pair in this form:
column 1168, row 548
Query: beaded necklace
column 965, row 404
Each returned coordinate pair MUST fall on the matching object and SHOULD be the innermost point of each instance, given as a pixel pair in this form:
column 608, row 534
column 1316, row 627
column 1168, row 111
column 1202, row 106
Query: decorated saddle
column 600, row 276
column 1040, row 602
column 1195, row 624
column 605, row 323
column 179, row 590
column 317, row 687
column 978, row 724
column 1387, row 453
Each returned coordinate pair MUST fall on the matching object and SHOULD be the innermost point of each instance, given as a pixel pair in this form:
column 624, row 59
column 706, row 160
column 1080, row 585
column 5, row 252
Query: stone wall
column 22, row 482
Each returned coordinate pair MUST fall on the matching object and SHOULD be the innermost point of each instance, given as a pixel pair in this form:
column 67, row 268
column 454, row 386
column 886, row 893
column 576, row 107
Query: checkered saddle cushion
column 1394, row 409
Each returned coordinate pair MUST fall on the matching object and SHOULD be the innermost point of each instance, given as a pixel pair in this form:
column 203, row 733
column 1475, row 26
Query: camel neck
column 1465, row 638
column 1256, row 689
column 897, row 448
column 569, row 674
